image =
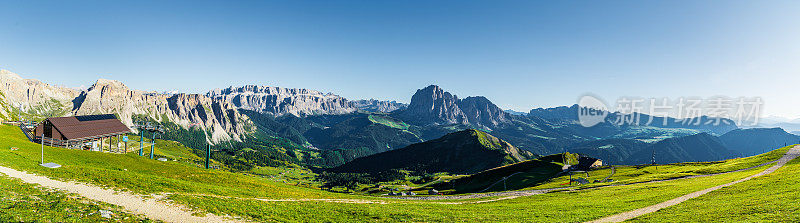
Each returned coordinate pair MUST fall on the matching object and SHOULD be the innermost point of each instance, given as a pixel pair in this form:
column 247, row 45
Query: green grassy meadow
column 23, row 202
column 260, row 197
column 770, row 198
column 139, row 174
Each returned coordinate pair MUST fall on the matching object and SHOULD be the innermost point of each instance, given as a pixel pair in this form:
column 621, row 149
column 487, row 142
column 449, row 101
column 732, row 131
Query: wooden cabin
column 78, row 132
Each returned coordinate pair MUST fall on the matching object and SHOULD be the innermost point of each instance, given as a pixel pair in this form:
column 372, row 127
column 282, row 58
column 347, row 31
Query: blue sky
column 519, row 54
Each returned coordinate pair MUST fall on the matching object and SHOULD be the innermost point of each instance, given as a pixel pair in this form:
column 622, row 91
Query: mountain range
column 322, row 129
column 698, row 147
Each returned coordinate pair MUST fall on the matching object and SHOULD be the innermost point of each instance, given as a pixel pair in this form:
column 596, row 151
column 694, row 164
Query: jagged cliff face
column 32, row 96
column 281, row 101
column 216, row 112
column 373, row 105
column 434, row 105
column 186, row 110
column 482, row 111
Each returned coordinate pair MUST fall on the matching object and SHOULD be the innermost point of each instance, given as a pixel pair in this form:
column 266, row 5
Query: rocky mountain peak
column 10, row 75
column 482, row 111
column 280, row 101
column 102, row 83
column 434, row 105
column 28, row 94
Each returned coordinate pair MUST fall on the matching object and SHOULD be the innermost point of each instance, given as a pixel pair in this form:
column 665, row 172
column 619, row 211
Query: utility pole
column 141, row 142
column 208, row 155
column 42, row 160
column 654, row 159
column 153, row 146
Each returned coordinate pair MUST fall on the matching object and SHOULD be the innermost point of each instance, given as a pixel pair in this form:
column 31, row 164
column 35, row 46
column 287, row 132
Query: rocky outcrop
column 480, row 110
column 373, row 105
column 216, row 112
column 280, row 101
column 186, row 110
column 432, row 105
column 33, row 96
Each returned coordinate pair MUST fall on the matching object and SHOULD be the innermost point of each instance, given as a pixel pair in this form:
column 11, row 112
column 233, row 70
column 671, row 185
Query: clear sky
column 519, row 54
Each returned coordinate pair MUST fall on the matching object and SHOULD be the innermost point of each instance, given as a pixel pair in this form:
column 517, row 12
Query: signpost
column 125, row 140
column 41, row 162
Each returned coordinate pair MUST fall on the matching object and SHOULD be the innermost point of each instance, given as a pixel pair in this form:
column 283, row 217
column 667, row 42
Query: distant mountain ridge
column 701, row 147
column 569, row 115
column 758, row 140
column 372, row 105
column 694, row 148
column 335, row 130
column 280, row 101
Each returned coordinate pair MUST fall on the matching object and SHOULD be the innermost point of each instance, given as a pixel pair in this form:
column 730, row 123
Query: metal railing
column 26, row 131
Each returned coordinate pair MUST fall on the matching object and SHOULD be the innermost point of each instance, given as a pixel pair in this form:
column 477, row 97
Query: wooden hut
column 78, row 132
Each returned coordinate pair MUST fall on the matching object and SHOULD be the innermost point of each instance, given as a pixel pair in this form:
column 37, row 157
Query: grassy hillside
column 770, row 198
column 388, row 121
column 643, row 173
column 552, row 207
column 517, row 176
column 23, row 202
column 222, row 192
column 139, row 174
column 468, row 151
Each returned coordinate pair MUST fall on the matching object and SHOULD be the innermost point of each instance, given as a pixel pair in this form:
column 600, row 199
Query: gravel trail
column 790, row 155
column 150, row 207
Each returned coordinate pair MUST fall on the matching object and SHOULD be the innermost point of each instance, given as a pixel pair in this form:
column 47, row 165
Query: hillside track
column 522, row 193
column 790, row 155
column 151, row 207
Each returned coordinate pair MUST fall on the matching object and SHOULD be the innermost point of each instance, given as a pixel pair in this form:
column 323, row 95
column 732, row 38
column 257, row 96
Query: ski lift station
column 81, row 132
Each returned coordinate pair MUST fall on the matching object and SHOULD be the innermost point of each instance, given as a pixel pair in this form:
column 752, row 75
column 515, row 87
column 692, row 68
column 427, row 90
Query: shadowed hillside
column 464, row 152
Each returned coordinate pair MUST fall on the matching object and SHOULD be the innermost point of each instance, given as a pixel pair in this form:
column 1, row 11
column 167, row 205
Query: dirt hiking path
column 790, row 155
column 149, row 207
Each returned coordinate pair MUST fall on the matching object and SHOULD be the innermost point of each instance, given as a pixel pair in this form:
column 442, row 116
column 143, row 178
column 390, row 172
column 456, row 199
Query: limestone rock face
column 281, row 101
column 216, row 112
column 185, row 110
column 32, row 96
column 480, row 110
column 433, row 105
column 373, row 105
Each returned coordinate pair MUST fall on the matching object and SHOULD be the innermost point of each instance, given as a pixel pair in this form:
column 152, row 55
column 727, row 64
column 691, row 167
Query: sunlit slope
column 770, row 198
column 234, row 194
column 140, row 174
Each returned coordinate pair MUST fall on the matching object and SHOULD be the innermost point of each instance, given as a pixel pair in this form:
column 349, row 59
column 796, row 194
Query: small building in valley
column 80, row 132
column 585, row 163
